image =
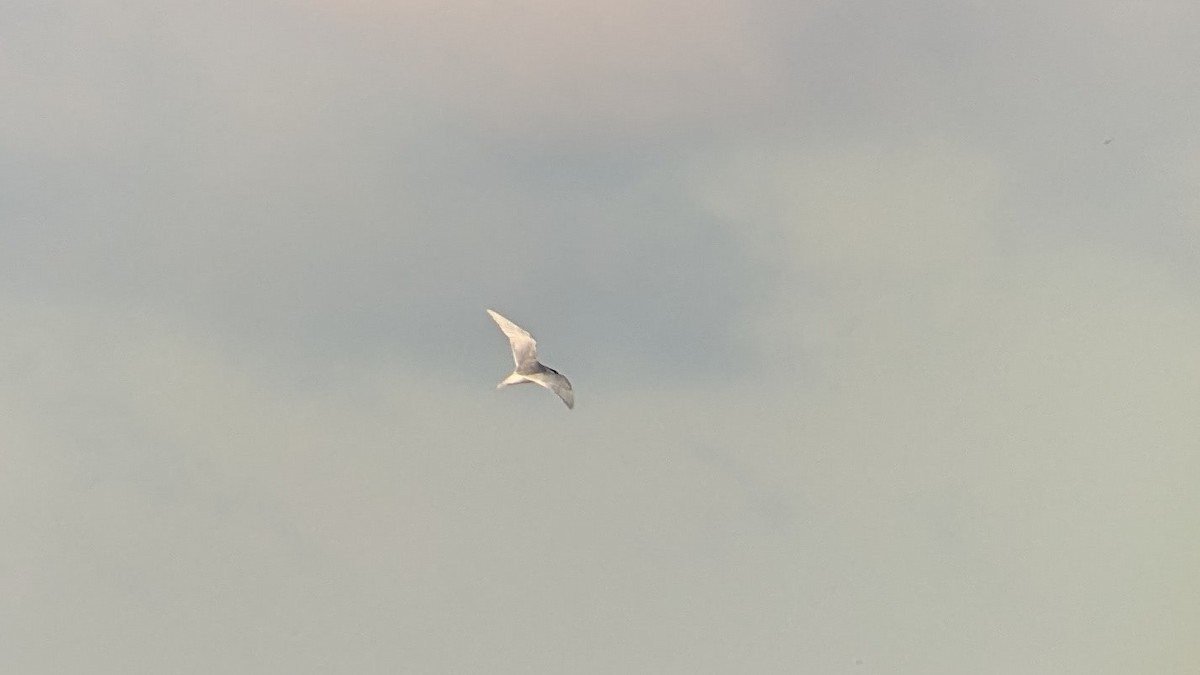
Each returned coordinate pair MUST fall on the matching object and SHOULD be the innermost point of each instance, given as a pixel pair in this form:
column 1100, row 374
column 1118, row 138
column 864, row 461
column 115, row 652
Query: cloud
column 297, row 191
column 535, row 68
column 858, row 210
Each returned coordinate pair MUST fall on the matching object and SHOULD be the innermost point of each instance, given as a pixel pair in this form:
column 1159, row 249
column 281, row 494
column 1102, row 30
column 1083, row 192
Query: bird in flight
column 529, row 369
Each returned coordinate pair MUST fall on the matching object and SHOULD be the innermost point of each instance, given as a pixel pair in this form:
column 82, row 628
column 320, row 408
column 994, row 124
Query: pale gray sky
column 885, row 361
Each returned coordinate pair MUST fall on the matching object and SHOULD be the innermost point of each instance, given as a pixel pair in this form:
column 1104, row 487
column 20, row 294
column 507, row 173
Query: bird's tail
column 513, row 378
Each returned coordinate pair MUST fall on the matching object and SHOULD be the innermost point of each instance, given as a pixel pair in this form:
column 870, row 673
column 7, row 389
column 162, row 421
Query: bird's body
column 528, row 368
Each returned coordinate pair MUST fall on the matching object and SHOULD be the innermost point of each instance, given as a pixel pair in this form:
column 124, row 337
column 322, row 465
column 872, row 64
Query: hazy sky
column 885, row 362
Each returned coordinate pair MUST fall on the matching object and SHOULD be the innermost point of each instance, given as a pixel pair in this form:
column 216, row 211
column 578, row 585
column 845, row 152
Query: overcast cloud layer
column 882, row 321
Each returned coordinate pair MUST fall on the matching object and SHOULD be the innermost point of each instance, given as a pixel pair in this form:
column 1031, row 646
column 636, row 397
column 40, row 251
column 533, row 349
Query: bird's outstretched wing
column 524, row 347
column 556, row 383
